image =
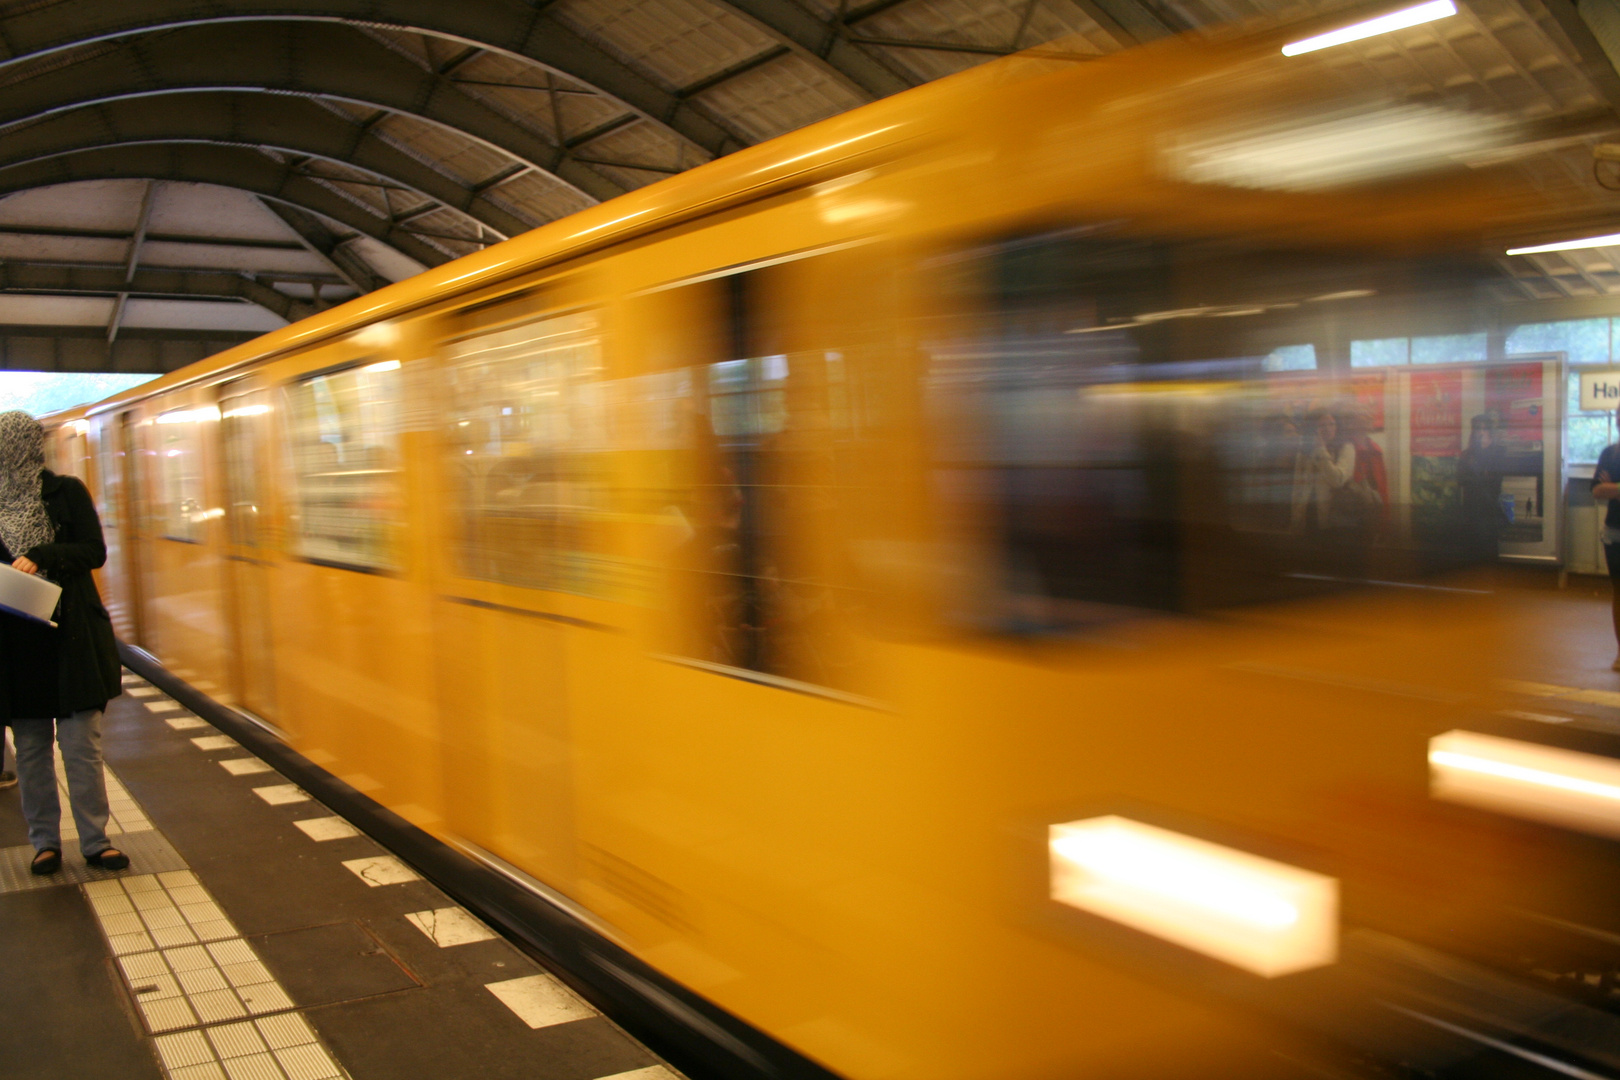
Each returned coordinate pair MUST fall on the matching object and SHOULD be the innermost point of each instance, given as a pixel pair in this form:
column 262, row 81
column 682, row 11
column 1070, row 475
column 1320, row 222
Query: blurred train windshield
column 1117, row 426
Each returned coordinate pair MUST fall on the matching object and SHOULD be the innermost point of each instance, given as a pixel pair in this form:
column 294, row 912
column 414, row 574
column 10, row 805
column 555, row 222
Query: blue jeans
column 80, row 739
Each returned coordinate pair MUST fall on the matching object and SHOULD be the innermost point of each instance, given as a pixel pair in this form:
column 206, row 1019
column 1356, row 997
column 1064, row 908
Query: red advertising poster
column 1513, row 398
column 1368, row 391
column 1436, row 413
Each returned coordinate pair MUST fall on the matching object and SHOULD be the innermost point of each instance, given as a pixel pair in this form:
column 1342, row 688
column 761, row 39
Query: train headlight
column 1545, row 783
column 1263, row 916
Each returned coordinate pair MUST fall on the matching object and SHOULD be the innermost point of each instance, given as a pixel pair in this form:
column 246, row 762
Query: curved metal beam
column 227, row 166
column 824, row 44
column 313, row 60
column 514, row 27
column 42, row 277
column 294, row 125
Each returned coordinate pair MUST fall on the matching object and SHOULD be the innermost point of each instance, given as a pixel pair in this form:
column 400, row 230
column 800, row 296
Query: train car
column 868, row 579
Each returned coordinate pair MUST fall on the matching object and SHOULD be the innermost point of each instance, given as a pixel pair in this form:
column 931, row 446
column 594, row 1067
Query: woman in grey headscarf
column 55, row 681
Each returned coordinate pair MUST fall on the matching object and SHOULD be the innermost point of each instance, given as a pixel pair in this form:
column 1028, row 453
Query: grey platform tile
column 57, row 987
column 149, row 853
column 406, row 1035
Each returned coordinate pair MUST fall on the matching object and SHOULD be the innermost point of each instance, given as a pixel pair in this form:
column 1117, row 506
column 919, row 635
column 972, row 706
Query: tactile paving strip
column 149, row 853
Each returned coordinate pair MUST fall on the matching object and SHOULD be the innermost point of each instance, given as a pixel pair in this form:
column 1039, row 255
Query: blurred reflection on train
column 968, row 588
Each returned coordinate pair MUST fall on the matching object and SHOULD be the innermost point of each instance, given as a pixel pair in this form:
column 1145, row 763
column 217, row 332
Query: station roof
column 219, row 169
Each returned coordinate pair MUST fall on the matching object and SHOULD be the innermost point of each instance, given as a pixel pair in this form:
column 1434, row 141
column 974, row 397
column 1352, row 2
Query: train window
column 181, row 509
column 239, row 419
column 525, row 444
column 1106, row 437
column 754, row 408
column 343, row 431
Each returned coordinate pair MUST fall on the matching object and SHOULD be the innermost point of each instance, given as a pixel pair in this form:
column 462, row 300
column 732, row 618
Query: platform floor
column 258, row 936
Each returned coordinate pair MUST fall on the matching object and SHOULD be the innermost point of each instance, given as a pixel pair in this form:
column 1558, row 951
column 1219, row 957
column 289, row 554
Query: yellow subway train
column 891, row 582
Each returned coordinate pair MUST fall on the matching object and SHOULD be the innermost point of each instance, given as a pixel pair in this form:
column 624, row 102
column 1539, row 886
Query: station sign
column 1600, row 390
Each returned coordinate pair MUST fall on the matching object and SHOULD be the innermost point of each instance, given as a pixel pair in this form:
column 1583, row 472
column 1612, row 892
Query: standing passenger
column 55, row 682
column 1605, row 487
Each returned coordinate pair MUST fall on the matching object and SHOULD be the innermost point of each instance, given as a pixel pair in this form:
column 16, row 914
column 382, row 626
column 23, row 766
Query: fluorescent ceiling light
column 1528, row 780
column 1263, row 916
column 1611, row 240
column 1383, row 24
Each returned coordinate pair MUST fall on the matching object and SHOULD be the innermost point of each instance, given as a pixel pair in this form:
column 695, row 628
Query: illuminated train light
column 1528, row 780
column 1263, row 916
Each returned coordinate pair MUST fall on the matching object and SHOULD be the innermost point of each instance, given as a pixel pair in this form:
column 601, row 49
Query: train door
column 522, row 460
column 131, row 566
column 244, row 428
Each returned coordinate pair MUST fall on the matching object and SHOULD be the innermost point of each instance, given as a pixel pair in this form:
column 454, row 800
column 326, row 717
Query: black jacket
column 86, row 669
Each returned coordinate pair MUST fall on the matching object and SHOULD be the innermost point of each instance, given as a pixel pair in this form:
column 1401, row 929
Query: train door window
column 241, row 417
column 755, row 403
column 343, row 429
column 525, row 444
column 181, row 505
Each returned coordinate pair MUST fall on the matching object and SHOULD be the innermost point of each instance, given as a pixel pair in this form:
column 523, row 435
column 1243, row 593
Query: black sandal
column 46, row 861
column 110, row 859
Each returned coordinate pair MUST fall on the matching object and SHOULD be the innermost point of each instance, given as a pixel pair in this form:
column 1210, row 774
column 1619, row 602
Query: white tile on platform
column 208, row 1071
column 540, row 1001
column 166, row 1014
column 256, row 1067
column 231, row 952
column 142, row 691
column 110, row 905
column 281, row 794
column 214, row 742
column 382, row 870
column 265, row 997
column 308, row 1063
column 202, row 980
column 327, row 828
column 186, row 1048
column 217, row 1005
column 450, row 926
column 289, row 1029
column 244, row 766
column 236, row 1040
column 126, row 944
column 186, row 723
column 161, row 707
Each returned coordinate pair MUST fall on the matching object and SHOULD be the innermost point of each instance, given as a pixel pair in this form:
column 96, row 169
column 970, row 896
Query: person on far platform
column 1604, row 486
column 55, row 681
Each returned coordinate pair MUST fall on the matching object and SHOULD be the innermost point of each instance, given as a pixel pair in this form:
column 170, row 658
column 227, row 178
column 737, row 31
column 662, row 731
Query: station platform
column 258, row 935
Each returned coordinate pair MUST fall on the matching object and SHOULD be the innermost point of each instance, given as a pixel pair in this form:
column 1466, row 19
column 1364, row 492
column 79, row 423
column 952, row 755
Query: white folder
column 28, row 595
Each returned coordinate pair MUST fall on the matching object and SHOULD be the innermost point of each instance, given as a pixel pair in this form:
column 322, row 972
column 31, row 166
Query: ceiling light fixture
column 1383, row 24
column 1611, row 240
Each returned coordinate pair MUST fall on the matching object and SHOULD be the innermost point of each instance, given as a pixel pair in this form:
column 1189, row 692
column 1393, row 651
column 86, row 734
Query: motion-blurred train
column 869, row 579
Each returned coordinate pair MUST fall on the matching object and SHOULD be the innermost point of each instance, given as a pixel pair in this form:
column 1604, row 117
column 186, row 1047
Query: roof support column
column 135, row 242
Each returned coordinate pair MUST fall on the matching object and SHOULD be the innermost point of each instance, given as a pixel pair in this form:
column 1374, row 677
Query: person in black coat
column 55, row 681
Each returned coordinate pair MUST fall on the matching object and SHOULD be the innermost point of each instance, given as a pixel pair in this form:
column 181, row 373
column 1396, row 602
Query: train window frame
column 581, row 566
column 237, row 429
column 389, row 525
column 763, row 388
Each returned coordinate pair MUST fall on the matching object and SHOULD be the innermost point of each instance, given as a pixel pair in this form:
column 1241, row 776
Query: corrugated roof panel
column 463, row 159
column 679, row 42
column 780, row 96
column 535, row 196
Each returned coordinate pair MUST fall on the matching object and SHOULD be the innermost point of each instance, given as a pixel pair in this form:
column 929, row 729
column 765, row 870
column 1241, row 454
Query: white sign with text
column 1600, row 390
